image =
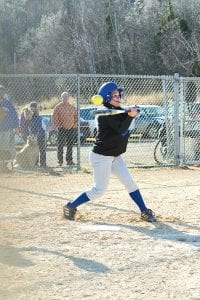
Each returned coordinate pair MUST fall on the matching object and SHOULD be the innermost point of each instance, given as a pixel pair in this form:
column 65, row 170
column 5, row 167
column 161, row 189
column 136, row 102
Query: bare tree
column 91, row 36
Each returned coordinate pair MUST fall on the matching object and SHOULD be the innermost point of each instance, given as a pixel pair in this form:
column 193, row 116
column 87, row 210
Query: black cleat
column 148, row 215
column 69, row 212
column 71, row 163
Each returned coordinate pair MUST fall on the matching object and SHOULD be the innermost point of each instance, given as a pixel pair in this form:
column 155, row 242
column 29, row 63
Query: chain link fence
column 165, row 133
column 189, row 120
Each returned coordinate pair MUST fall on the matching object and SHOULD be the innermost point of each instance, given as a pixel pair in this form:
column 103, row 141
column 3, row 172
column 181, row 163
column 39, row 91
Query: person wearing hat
column 106, row 155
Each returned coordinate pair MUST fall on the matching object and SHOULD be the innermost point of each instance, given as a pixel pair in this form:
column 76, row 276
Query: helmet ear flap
column 109, row 96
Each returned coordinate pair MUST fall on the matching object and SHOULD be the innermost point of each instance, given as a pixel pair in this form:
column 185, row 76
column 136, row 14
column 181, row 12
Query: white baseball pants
column 103, row 166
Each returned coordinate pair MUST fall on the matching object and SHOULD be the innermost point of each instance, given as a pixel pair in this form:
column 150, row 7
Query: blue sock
column 137, row 198
column 82, row 198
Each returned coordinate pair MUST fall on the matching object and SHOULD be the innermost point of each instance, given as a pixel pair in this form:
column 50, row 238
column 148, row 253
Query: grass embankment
column 47, row 105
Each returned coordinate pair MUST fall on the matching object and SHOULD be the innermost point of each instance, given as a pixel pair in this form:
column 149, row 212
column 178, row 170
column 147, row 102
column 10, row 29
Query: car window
column 86, row 113
column 46, row 119
column 154, row 111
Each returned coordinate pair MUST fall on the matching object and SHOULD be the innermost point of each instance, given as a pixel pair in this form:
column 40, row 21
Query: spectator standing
column 24, row 121
column 65, row 119
column 31, row 124
column 36, row 128
column 9, row 124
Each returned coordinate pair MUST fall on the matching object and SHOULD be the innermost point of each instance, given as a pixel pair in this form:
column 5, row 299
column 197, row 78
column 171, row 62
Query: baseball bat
column 110, row 112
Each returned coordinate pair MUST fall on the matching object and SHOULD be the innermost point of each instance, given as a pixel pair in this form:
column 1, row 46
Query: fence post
column 78, row 124
column 176, row 119
column 166, row 104
column 181, row 108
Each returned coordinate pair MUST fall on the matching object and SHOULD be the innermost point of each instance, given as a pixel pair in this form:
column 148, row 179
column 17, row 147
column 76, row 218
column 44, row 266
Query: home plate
column 96, row 227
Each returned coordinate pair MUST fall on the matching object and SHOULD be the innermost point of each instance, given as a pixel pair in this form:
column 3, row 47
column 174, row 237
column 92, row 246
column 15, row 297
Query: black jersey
column 112, row 135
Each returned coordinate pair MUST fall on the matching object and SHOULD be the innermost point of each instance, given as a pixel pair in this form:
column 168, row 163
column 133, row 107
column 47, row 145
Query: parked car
column 86, row 115
column 148, row 121
column 52, row 131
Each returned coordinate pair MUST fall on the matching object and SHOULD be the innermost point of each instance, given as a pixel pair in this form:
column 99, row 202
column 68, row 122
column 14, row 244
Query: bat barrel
column 107, row 112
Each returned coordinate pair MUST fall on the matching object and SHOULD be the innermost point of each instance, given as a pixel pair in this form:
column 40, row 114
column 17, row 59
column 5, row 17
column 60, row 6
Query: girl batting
column 106, row 155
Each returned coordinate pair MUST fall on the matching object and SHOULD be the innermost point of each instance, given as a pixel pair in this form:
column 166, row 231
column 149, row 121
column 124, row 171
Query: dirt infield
column 108, row 253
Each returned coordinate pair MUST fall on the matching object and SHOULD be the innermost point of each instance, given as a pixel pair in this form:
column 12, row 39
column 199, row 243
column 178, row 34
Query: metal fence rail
column 149, row 144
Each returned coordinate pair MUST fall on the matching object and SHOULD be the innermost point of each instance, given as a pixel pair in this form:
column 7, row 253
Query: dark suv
column 148, row 121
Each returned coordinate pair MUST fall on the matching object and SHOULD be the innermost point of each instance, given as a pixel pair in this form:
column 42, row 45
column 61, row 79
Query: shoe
column 69, row 212
column 43, row 166
column 71, row 163
column 148, row 215
column 59, row 165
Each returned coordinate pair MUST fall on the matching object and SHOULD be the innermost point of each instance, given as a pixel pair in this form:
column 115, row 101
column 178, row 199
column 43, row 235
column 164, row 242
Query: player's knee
column 95, row 193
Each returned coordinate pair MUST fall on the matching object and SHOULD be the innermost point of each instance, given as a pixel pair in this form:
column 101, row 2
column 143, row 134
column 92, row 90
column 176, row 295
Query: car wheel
column 152, row 132
column 53, row 136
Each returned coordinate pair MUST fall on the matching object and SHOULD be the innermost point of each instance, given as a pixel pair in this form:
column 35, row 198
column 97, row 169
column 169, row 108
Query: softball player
column 106, row 158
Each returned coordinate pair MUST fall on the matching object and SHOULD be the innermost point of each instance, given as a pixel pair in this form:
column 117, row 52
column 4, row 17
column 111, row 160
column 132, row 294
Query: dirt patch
column 108, row 252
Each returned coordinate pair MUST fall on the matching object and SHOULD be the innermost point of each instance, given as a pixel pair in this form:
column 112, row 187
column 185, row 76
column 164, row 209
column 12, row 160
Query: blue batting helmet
column 106, row 91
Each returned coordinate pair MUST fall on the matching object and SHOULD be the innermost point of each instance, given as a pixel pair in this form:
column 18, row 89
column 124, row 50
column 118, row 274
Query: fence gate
column 189, row 111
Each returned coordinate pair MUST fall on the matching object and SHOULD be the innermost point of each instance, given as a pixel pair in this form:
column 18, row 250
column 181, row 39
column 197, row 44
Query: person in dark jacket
column 31, row 124
column 26, row 116
column 111, row 142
